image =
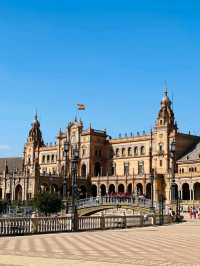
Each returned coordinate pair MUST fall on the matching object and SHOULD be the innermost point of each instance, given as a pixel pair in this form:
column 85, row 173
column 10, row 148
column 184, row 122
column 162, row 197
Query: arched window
column 123, row 152
column 97, row 169
column 142, row 150
column 83, row 170
column 117, row 152
column 48, row 158
column 160, row 147
column 43, row 159
column 129, row 151
column 136, row 151
column 18, row 193
column 83, row 152
column 52, row 158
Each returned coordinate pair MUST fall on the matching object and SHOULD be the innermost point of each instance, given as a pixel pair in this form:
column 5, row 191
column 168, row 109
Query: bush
column 48, row 203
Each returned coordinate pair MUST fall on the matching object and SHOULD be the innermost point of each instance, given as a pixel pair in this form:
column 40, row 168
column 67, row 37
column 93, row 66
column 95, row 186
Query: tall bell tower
column 164, row 132
column 32, row 147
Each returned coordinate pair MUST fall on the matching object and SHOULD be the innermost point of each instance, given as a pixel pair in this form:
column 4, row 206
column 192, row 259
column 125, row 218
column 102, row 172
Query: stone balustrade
column 41, row 225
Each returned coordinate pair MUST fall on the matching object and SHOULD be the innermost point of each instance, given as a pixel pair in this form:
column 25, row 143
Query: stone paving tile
column 166, row 246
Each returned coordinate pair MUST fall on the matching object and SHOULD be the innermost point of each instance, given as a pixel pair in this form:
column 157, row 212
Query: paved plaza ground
column 167, row 245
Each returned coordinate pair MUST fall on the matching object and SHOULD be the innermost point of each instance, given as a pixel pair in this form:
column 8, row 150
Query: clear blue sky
column 111, row 55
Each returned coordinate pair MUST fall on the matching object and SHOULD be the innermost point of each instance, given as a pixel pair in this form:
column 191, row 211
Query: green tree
column 3, row 206
column 48, row 203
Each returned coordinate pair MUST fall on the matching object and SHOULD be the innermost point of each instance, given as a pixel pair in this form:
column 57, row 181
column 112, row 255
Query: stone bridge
column 91, row 206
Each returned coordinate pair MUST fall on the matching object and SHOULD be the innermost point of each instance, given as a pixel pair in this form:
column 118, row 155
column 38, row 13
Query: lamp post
column 74, row 166
column 174, row 195
column 152, row 173
column 66, row 150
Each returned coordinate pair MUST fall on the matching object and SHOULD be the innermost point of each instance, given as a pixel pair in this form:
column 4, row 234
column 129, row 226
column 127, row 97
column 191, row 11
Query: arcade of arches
column 188, row 191
column 120, row 188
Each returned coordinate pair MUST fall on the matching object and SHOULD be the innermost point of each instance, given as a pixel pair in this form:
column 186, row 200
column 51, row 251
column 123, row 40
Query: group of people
column 194, row 212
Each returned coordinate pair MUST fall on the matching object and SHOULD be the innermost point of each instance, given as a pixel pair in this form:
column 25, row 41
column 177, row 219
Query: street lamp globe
column 173, row 146
column 66, row 147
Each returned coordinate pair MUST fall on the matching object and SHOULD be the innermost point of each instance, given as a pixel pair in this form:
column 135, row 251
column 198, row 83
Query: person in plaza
column 199, row 213
column 191, row 212
column 194, row 213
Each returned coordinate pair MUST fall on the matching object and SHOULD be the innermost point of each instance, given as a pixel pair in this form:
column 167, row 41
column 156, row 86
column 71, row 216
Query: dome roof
column 35, row 133
column 166, row 101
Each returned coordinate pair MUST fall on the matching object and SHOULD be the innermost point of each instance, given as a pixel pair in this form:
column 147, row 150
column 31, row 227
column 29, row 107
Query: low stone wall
column 42, row 225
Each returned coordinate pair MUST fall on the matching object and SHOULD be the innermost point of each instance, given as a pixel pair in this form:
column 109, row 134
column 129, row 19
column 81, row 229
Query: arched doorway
column 121, row 188
column 111, row 189
column 94, row 191
column 197, row 191
column 129, row 189
column 148, row 191
column 139, row 189
column 44, row 188
column 103, row 190
column 54, row 188
column 83, row 171
column 186, row 191
column 18, row 193
column 175, row 195
column 83, row 192
column 97, row 169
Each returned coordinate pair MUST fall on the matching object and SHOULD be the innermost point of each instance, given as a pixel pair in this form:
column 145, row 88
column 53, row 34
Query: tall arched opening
column 83, row 171
column 148, row 191
column 18, row 193
column 197, row 191
column 129, row 189
column 97, row 169
column 103, row 190
column 139, row 189
column 94, row 191
column 121, row 188
column 186, row 191
column 111, row 189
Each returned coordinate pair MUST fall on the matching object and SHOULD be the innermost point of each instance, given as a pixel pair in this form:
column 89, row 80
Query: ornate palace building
column 106, row 165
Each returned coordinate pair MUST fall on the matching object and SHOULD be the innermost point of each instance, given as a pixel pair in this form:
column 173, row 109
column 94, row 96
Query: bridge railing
column 99, row 201
column 41, row 225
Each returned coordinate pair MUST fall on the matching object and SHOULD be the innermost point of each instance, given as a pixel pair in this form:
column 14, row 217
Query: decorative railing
column 115, row 201
column 42, row 225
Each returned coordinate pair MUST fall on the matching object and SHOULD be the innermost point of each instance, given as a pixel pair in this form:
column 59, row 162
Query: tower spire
column 165, row 88
column 36, row 115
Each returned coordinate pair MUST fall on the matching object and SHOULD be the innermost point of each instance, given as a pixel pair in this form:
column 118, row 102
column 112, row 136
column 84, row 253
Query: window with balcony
column 126, row 169
column 141, row 167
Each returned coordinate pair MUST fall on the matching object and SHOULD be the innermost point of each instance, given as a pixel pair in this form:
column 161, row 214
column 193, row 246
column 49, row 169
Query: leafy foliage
column 48, row 203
